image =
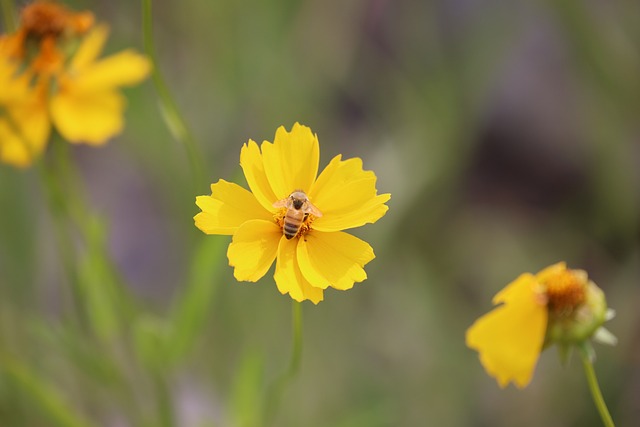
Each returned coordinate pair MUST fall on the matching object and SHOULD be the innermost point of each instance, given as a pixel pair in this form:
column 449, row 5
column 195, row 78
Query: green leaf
column 191, row 311
column 246, row 403
column 44, row 398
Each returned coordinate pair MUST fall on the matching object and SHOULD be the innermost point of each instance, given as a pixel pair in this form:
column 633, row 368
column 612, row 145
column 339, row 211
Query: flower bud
column 576, row 311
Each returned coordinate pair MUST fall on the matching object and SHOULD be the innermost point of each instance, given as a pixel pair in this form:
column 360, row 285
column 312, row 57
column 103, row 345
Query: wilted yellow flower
column 53, row 77
column 86, row 105
column 557, row 305
column 294, row 217
column 24, row 122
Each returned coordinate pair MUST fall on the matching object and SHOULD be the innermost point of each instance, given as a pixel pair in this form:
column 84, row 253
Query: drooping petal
column 87, row 116
column 24, row 130
column 11, row 45
column 253, row 248
column 509, row 338
column 347, row 196
column 14, row 149
column 289, row 278
column 15, row 86
column 333, row 259
column 514, row 289
column 121, row 69
column 227, row 208
column 253, row 168
column 291, row 162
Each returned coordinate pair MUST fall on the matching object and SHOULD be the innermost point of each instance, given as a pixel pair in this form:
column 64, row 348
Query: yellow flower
column 557, row 305
column 24, row 123
column 56, row 82
column 313, row 253
column 87, row 106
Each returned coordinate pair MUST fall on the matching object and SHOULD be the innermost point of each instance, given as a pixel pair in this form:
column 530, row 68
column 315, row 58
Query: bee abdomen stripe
column 290, row 228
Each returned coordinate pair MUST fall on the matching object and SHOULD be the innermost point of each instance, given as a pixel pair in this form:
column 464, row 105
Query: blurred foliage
column 506, row 132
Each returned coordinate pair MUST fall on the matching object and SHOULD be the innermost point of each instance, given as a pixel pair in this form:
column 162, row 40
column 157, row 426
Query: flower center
column 280, row 217
column 44, row 18
column 566, row 290
column 47, row 36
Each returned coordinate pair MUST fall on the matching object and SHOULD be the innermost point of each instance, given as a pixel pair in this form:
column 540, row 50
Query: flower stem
column 170, row 112
column 595, row 388
column 59, row 209
column 99, row 295
column 164, row 400
column 296, row 351
column 276, row 389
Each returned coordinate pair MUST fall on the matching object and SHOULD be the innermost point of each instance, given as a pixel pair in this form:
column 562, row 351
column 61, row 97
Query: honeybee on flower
column 294, row 216
column 298, row 208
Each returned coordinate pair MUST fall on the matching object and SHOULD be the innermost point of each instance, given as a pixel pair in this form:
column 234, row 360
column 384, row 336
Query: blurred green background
column 507, row 133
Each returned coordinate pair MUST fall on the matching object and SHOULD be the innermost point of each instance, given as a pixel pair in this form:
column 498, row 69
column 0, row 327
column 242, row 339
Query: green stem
column 59, row 210
column 170, row 112
column 296, row 350
column 100, row 296
column 164, row 400
column 595, row 388
column 276, row 389
column 8, row 16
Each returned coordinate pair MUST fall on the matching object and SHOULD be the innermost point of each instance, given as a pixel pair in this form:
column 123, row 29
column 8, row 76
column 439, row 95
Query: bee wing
column 311, row 209
column 284, row 203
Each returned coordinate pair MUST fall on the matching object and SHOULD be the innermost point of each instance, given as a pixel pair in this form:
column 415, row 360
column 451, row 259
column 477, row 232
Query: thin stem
column 276, row 389
column 595, row 388
column 59, row 210
column 296, row 350
column 164, row 400
column 170, row 112
column 81, row 238
column 8, row 16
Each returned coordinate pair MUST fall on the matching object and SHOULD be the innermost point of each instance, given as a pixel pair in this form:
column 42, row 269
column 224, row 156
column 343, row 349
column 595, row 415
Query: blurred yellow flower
column 24, row 123
column 293, row 217
column 51, row 79
column 557, row 305
column 87, row 106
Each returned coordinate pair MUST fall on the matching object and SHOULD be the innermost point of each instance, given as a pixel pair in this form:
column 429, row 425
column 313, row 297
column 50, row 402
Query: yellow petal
column 253, row 168
column 24, row 131
column 347, row 196
column 228, row 207
column 367, row 213
column 13, row 149
column 121, row 69
column 333, row 259
column 90, row 48
column 551, row 271
column 288, row 276
column 337, row 174
column 14, row 87
column 291, row 162
column 253, row 248
column 513, row 289
column 91, row 117
column 509, row 338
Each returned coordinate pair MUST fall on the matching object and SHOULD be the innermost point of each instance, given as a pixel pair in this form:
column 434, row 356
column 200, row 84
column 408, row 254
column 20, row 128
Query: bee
column 298, row 209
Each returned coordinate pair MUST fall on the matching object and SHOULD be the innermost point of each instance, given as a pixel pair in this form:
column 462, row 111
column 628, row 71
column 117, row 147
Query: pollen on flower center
column 566, row 290
column 280, row 217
